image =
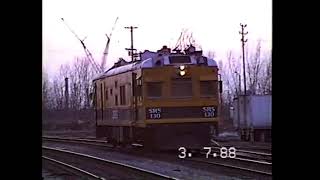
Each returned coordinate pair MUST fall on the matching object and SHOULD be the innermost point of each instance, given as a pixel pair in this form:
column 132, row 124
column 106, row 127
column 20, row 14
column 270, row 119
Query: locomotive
column 164, row 100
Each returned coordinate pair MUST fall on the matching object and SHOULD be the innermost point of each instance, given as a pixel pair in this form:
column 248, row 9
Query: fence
column 67, row 116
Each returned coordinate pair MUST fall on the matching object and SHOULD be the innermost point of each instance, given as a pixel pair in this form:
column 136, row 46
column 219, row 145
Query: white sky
column 215, row 25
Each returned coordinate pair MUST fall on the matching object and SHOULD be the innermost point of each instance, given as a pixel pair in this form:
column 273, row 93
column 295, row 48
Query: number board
column 115, row 114
column 153, row 113
column 181, row 112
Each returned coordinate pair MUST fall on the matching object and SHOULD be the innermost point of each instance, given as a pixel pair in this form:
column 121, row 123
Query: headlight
column 181, row 70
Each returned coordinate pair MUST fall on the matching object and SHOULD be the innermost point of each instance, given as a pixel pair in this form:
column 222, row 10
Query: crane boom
column 106, row 49
column 86, row 50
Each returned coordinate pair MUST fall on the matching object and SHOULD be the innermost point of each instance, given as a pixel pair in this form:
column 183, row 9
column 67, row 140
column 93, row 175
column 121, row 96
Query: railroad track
column 242, row 155
column 267, row 150
column 100, row 143
column 241, row 168
column 98, row 168
column 250, row 156
column 230, row 164
column 249, row 161
column 72, row 169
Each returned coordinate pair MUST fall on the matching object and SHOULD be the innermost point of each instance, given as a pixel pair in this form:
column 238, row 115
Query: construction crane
column 95, row 66
column 106, row 50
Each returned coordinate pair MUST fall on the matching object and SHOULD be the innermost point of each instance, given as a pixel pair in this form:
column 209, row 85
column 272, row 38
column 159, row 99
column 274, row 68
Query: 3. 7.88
column 223, row 152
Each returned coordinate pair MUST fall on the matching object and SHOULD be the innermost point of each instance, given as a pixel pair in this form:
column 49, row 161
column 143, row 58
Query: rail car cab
column 172, row 100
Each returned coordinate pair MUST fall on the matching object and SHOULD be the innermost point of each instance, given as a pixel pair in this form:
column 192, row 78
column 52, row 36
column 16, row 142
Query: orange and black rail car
column 165, row 100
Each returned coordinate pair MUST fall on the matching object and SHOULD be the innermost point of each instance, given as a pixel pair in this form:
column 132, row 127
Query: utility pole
column 243, row 41
column 220, row 108
column 131, row 49
column 243, row 58
column 239, row 84
column 75, row 101
column 238, row 103
column 66, row 93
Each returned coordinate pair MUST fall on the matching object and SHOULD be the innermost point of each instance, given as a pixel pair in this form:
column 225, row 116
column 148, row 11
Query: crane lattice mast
column 96, row 67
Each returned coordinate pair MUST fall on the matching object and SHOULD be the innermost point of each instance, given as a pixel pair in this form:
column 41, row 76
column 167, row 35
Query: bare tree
column 254, row 65
column 57, row 94
column 229, row 76
column 258, row 73
column 80, row 74
column 45, row 91
column 265, row 80
column 80, row 78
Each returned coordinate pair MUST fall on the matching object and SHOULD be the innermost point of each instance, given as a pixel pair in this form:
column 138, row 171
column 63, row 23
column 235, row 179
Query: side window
column 106, row 91
column 107, row 95
column 101, row 96
column 116, row 100
column 138, row 90
column 95, row 95
column 122, row 95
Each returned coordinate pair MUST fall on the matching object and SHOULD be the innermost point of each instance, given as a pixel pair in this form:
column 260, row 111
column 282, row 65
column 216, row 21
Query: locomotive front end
column 181, row 102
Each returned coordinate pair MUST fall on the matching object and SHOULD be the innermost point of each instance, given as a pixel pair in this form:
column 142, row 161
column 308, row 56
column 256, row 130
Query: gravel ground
column 49, row 172
column 167, row 168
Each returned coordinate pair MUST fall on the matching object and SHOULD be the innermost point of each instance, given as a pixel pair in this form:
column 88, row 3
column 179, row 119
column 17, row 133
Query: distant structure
column 257, row 118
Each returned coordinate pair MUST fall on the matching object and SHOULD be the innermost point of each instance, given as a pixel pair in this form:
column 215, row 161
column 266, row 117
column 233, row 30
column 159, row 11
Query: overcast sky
column 215, row 25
